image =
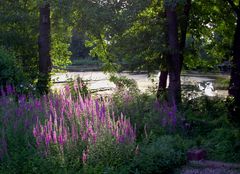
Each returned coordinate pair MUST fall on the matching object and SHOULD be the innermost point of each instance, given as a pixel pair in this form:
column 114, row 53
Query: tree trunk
column 173, row 61
column 45, row 64
column 161, row 92
column 234, row 86
column 183, row 27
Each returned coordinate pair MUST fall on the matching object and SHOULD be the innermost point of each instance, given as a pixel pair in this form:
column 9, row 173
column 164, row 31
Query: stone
column 196, row 154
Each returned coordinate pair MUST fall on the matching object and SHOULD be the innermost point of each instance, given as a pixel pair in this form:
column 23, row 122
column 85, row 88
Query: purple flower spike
column 54, row 137
column 10, row 89
column 84, row 157
column 70, row 120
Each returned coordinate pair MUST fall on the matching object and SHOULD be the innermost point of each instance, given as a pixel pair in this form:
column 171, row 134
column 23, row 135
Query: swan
column 209, row 90
column 200, row 87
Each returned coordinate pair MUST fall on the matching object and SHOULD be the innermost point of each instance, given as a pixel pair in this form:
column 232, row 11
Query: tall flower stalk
column 72, row 120
column 60, row 120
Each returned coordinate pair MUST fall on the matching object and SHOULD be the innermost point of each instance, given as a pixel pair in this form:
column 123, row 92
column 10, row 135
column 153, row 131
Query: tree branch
column 235, row 8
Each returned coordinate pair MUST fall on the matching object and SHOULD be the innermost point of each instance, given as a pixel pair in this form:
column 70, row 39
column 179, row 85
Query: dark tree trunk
column 45, row 64
column 183, row 27
column 173, row 61
column 162, row 84
column 234, row 86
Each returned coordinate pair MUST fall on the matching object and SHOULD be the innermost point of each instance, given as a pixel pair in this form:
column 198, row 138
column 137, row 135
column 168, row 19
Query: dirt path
column 210, row 167
column 191, row 170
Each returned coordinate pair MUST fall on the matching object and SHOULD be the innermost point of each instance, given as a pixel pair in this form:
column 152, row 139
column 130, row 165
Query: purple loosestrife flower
column 173, row 118
column 27, row 123
column 74, row 132
column 121, row 139
column 102, row 113
column 84, row 136
column 65, row 134
column 94, row 137
column 67, row 89
column 75, row 86
column 72, row 120
column 54, row 137
column 48, row 139
column 10, row 89
column 37, row 104
column 97, row 107
column 60, row 139
column 81, row 102
column 84, row 157
column 35, row 132
column 109, row 123
column 22, row 99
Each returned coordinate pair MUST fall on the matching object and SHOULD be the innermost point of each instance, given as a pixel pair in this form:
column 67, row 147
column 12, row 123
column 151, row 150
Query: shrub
column 11, row 72
column 10, row 68
column 205, row 108
column 149, row 115
column 222, row 83
column 160, row 156
column 223, row 144
column 203, row 114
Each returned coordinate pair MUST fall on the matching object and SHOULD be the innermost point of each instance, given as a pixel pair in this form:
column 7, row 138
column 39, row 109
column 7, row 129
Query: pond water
column 99, row 81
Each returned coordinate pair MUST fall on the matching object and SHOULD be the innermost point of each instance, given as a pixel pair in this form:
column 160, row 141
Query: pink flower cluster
column 80, row 119
column 61, row 119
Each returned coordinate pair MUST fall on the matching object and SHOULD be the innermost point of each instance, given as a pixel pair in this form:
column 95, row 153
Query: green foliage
column 18, row 32
column 10, row 69
column 207, row 125
column 99, row 45
column 60, row 54
column 204, row 114
column 160, row 156
column 106, row 152
column 86, row 62
column 81, row 86
column 44, row 83
column 209, row 37
column 123, row 83
column 141, row 45
column 60, row 42
column 223, row 144
column 222, row 83
column 205, row 108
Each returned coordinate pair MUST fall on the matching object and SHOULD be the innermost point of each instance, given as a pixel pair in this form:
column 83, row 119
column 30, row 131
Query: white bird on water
column 200, row 87
column 209, row 90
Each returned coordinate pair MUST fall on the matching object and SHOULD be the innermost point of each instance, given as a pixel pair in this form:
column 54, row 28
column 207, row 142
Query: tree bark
column 173, row 61
column 162, row 85
column 45, row 64
column 234, row 86
column 183, row 27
